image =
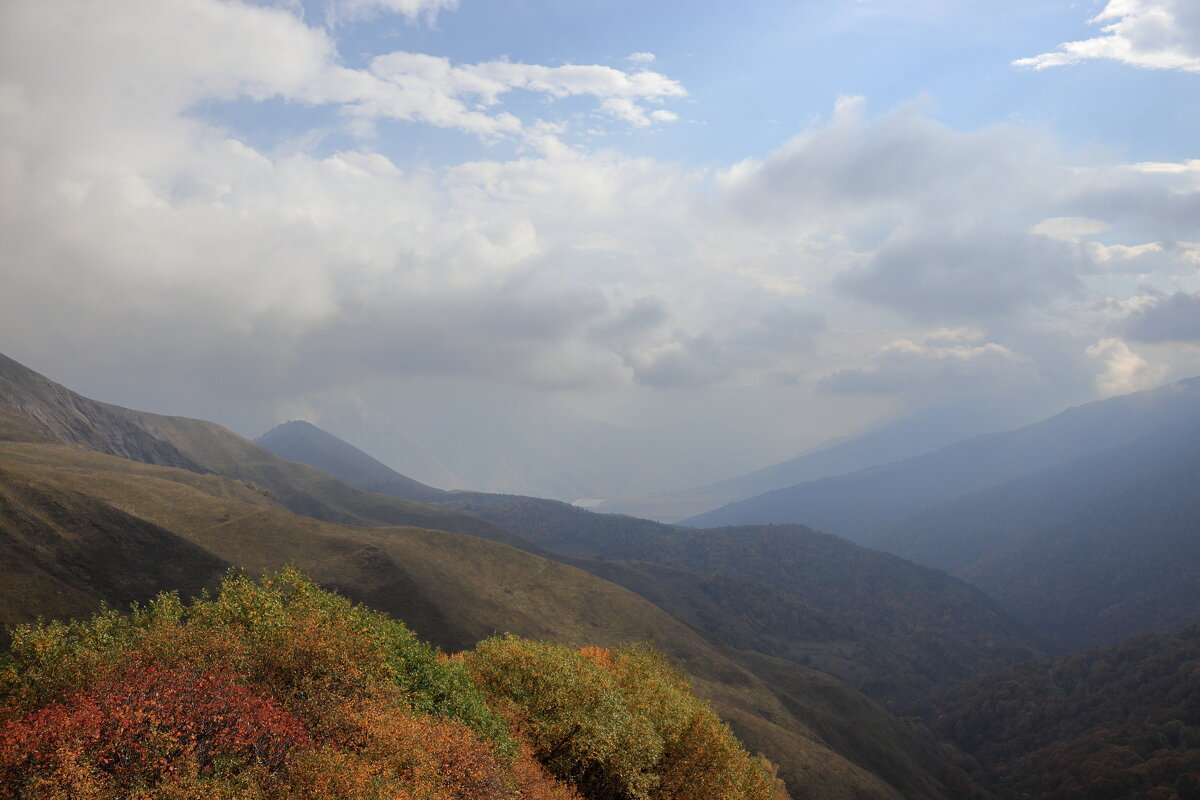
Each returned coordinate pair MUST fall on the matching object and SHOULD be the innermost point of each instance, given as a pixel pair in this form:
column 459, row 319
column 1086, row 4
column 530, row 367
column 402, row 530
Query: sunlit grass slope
column 58, row 414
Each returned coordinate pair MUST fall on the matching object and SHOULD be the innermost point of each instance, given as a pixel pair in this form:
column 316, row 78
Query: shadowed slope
column 1121, row 721
column 1127, row 563
column 891, row 628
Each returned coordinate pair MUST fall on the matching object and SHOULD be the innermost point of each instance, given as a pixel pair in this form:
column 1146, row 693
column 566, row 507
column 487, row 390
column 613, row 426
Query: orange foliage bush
column 281, row 690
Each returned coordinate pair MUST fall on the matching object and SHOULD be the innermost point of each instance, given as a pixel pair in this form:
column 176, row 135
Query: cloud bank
column 873, row 254
column 1150, row 34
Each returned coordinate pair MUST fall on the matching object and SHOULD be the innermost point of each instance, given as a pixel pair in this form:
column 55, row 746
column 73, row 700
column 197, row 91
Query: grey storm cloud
column 1175, row 318
column 1151, row 209
column 515, row 332
column 903, row 163
column 694, row 361
column 958, row 275
column 627, row 326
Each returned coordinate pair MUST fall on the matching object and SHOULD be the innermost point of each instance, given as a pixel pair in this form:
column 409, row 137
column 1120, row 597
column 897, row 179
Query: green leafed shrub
column 619, row 724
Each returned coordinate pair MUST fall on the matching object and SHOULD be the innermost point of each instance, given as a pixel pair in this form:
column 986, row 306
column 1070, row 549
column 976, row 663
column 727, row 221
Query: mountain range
column 1083, row 525
column 88, row 516
column 893, row 441
column 1080, row 530
column 888, row 627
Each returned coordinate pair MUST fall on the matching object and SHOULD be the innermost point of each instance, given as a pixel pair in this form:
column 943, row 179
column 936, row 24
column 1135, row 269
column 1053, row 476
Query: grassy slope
column 452, row 589
column 199, row 446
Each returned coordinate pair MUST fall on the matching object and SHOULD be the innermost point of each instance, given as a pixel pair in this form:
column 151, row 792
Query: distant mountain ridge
column 302, row 441
column 205, row 447
column 1127, row 560
column 900, row 439
column 859, row 504
column 1085, row 525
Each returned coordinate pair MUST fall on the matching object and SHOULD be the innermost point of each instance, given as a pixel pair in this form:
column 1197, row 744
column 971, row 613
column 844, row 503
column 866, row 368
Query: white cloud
column 433, row 90
column 1152, row 34
column 109, row 59
column 338, row 11
column 1070, row 229
column 640, row 58
column 1123, row 371
column 171, row 246
column 634, row 114
column 943, row 362
column 1172, row 260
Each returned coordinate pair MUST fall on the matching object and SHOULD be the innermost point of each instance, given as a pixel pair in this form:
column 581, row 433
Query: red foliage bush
column 145, row 723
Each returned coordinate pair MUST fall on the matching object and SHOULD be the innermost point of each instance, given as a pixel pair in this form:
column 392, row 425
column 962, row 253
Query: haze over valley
column 599, row 400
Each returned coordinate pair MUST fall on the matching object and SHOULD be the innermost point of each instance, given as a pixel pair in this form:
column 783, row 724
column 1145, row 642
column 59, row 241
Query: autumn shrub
column 307, row 647
column 618, row 724
column 277, row 689
column 135, row 720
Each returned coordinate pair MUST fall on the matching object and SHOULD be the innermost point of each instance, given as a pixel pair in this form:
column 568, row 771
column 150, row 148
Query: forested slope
column 1121, row 721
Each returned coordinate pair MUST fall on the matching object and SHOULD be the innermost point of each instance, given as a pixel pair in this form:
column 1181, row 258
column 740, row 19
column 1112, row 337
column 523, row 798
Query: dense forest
column 1112, row 722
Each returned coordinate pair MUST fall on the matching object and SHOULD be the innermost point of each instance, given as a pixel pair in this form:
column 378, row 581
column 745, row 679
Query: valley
column 838, row 662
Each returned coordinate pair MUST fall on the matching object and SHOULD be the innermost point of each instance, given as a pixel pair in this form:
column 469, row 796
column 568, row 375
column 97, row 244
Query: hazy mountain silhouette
column 860, row 504
column 305, row 442
column 900, row 439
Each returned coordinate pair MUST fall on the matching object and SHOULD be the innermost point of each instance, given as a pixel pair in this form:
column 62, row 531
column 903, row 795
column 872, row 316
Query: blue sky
column 760, row 73
column 734, row 230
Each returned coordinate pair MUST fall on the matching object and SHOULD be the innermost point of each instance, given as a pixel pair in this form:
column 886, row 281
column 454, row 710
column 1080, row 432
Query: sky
column 588, row 246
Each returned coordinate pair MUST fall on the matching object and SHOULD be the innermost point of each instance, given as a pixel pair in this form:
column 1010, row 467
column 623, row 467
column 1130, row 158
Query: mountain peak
column 299, row 440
